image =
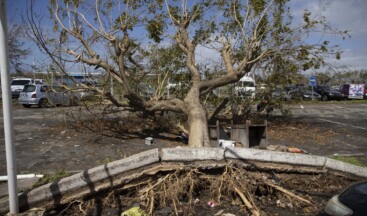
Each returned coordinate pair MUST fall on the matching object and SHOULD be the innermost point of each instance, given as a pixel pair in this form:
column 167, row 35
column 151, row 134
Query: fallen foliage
column 298, row 132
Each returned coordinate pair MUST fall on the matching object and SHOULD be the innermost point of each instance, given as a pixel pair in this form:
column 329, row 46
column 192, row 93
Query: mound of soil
column 232, row 189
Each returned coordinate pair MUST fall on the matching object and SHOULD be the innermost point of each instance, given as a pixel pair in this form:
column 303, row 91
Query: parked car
column 17, row 85
column 281, row 94
column 328, row 93
column 352, row 201
column 44, row 96
column 304, row 94
column 39, row 81
column 365, row 92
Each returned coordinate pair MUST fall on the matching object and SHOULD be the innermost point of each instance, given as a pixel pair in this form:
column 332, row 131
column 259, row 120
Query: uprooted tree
column 123, row 38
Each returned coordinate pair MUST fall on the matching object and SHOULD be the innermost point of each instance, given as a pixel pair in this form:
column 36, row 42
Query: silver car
column 44, row 96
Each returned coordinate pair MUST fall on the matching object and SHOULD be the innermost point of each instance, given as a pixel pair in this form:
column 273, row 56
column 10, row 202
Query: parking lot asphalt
column 348, row 120
column 46, row 144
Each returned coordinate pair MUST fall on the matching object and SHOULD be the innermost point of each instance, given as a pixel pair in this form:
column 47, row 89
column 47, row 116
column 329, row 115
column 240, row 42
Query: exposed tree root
column 247, row 202
column 187, row 190
column 288, row 192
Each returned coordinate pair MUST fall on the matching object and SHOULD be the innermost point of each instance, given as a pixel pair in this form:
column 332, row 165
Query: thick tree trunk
column 197, row 120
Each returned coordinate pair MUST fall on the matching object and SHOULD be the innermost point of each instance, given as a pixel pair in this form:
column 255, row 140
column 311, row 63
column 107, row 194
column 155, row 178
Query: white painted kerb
column 272, row 156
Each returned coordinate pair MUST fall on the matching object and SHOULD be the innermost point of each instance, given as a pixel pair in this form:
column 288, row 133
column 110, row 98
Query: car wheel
column 43, row 103
column 324, row 98
column 27, row 105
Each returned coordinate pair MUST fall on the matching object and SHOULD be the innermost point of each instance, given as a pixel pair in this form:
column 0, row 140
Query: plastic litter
column 149, row 141
column 183, row 137
column 134, row 211
column 297, row 150
column 211, row 204
column 196, row 200
column 226, row 143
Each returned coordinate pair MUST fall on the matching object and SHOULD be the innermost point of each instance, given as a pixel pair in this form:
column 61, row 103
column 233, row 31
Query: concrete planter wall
column 105, row 176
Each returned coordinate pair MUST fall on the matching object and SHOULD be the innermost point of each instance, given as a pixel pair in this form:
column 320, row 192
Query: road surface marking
column 363, row 104
column 343, row 124
column 338, row 106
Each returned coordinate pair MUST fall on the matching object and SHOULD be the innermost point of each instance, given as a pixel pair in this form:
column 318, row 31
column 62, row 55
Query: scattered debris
column 211, row 204
column 149, row 141
column 196, row 201
column 183, row 137
column 297, row 150
column 228, row 190
column 219, row 213
column 226, row 143
column 280, row 148
column 134, row 211
column 300, row 133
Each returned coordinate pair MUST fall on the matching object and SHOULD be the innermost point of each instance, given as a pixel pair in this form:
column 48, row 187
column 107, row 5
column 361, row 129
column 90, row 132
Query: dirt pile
column 232, row 189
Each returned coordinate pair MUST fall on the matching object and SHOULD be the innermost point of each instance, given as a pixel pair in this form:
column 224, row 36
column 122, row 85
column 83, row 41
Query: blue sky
column 343, row 14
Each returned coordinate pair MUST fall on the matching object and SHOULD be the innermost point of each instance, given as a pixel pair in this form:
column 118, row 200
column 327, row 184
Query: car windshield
column 20, row 82
column 29, row 88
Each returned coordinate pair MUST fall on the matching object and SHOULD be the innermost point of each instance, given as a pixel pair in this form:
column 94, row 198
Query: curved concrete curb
column 88, row 180
column 54, row 192
column 294, row 159
column 192, row 154
column 276, row 157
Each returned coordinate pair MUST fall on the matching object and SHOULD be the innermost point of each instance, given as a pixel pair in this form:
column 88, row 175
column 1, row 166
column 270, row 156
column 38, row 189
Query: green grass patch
column 349, row 159
column 48, row 178
column 354, row 101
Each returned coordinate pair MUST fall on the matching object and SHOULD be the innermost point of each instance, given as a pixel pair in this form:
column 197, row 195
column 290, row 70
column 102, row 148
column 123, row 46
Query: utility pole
column 7, row 113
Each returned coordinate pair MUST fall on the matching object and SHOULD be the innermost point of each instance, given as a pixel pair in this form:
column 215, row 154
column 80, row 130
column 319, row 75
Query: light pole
column 7, row 113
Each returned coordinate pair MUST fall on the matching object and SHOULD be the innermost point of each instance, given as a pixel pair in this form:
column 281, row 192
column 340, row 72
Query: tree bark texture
column 197, row 120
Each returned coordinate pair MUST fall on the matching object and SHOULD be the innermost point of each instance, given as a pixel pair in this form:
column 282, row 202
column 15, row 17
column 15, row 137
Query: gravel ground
column 45, row 142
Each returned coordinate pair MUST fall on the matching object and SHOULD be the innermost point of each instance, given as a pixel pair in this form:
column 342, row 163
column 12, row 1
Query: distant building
column 77, row 78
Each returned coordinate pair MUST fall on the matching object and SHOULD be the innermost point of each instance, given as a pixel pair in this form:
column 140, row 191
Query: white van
column 246, row 86
column 17, row 85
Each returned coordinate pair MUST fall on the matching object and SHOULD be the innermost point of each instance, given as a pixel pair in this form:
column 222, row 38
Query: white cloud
column 350, row 15
column 352, row 59
column 343, row 15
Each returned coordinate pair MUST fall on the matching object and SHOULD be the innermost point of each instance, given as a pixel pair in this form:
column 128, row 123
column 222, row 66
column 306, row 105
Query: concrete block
column 345, row 167
column 191, row 154
column 275, row 157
